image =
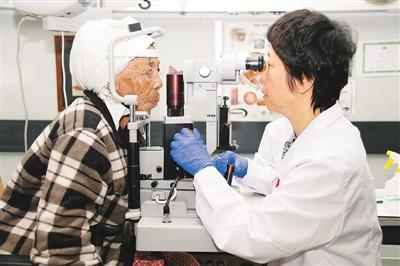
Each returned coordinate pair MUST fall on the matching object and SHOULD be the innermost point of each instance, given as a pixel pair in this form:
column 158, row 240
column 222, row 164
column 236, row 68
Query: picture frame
column 381, row 58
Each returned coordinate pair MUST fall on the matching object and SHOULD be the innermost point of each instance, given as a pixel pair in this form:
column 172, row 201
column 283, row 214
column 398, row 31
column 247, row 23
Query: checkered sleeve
column 73, row 189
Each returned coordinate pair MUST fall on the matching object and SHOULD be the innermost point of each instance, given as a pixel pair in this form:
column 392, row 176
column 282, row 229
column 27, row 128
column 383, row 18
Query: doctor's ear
column 304, row 84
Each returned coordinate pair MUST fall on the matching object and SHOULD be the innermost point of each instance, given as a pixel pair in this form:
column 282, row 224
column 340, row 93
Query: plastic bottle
column 391, row 200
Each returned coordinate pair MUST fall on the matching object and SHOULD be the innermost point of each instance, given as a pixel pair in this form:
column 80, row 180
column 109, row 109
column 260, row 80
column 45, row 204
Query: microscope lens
column 175, row 95
column 255, row 63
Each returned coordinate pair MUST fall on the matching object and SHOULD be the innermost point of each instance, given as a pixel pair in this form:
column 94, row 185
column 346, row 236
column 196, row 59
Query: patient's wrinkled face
column 141, row 77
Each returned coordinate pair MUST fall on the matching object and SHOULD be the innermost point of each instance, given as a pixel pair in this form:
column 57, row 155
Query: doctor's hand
column 221, row 162
column 188, row 150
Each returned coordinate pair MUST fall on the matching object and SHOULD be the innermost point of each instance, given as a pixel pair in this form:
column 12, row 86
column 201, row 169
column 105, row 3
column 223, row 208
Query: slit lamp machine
column 161, row 195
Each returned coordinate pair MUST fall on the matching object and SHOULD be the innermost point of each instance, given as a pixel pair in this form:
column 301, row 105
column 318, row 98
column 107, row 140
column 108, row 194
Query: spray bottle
column 391, row 201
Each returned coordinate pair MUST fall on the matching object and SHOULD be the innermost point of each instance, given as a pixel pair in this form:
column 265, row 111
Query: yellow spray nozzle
column 393, row 157
column 388, row 163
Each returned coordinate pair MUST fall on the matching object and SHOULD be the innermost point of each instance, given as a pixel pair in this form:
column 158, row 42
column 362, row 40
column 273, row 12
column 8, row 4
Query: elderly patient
column 73, row 176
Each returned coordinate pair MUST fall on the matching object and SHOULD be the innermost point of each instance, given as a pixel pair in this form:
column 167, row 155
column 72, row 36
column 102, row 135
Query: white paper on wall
column 347, row 98
column 246, row 98
column 244, row 38
column 379, row 58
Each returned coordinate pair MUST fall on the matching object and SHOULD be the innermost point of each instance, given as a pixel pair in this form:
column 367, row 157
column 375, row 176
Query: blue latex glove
column 188, row 150
column 221, row 162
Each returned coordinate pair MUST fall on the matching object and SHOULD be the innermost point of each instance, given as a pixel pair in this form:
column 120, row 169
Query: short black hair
column 311, row 44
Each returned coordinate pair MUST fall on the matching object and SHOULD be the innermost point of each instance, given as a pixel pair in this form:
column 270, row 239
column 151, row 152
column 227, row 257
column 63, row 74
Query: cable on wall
column 63, row 70
column 26, row 18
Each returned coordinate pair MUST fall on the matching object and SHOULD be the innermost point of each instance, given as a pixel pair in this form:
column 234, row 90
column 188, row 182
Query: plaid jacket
column 72, row 177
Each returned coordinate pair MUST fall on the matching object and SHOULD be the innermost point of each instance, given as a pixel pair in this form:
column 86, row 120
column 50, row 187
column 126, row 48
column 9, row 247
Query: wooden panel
column 68, row 40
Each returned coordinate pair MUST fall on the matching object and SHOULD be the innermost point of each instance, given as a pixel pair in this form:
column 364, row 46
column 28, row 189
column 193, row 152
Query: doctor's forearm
column 229, row 220
column 259, row 177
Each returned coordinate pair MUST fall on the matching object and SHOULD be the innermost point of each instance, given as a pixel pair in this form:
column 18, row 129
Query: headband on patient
column 89, row 53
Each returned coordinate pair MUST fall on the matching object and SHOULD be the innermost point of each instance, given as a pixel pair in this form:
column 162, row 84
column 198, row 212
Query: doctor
column 320, row 205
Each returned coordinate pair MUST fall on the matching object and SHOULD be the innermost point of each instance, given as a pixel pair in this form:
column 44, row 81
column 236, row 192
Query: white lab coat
column 323, row 211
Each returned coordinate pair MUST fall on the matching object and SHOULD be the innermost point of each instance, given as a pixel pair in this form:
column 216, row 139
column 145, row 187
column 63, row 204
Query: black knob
column 159, row 169
column 225, row 98
column 154, row 184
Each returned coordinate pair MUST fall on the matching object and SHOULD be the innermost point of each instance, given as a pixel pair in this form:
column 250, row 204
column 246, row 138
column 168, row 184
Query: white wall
column 38, row 69
column 8, row 164
column 377, row 98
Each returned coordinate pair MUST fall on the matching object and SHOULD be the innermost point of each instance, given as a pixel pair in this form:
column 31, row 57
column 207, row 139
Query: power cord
column 166, row 211
column 20, row 79
column 63, row 70
column 162, row 202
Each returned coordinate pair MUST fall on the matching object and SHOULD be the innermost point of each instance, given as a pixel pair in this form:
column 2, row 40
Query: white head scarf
column 89, row 53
